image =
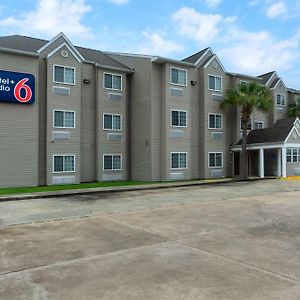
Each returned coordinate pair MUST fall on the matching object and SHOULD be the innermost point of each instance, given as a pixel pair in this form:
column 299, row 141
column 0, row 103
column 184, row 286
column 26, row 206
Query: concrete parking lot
column 226, row 241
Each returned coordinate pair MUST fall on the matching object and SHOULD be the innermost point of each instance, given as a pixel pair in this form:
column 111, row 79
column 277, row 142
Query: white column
column 283, row 160
column 261, row 163
column 279, row 162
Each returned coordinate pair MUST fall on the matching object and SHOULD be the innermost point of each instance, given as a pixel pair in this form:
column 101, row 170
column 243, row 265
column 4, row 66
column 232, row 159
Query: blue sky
column 251, row 36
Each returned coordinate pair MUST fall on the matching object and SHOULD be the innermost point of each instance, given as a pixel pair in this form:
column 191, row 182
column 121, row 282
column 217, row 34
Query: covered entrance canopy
column 276, row 149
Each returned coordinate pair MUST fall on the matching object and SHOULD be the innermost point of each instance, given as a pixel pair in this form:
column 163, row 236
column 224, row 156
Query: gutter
column 130, row 71
column 27, row 53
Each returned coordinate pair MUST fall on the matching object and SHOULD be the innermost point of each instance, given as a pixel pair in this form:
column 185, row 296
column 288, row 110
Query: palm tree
column 247, row 97
column 294, row 109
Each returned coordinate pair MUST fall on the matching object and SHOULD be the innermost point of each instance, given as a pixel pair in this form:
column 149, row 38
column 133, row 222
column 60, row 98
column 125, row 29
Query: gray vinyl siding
column 19, row 130
column 70, row 102
column 106, row 145
column 293, row 169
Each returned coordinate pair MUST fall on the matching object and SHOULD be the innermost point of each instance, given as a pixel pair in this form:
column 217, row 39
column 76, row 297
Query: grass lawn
column 24, row 190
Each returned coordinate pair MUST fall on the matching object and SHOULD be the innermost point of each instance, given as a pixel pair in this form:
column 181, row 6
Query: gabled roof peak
column 194, row 58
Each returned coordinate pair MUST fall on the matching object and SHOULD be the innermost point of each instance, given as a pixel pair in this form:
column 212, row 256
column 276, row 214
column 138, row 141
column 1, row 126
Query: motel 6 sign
column 17, row 87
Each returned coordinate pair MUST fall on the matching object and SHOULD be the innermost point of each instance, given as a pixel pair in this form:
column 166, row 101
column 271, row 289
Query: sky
column 250, row 37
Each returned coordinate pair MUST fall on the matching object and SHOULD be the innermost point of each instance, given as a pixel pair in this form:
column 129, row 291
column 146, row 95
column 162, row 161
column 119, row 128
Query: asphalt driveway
column 228, row 241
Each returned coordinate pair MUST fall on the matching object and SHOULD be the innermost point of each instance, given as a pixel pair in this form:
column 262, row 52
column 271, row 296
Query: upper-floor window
column 63, row 119
column 293, row 155
column 215, row 159
column 112, row 122
column 249, row 124
column 112, row 162
column 215, row 121
column 63, row 163
column 178, row 76
column 244, row 82
column 64, row 74
column 215, row 83
column 178, row 160
column 280, row 100
column 112, row 81
column 178, row 118
column 258, row 125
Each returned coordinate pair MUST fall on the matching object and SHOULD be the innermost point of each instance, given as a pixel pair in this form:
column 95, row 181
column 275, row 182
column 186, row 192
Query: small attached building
column 272, row 151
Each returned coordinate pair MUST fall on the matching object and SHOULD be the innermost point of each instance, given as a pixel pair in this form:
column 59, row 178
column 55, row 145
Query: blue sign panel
column 17, row 87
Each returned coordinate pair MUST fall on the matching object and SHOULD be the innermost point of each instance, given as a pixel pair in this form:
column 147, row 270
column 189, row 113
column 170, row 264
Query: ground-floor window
column 293, row 155
column 63, row 163
column 258, row 125
column 215, row 159
column 178, row 160
column 112, row 162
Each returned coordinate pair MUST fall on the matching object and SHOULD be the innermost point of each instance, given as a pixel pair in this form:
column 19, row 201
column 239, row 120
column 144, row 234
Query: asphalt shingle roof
column 266, row 77
column 194, row 58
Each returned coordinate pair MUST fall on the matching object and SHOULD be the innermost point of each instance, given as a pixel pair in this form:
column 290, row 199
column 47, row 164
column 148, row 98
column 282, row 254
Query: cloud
column 213, row 3
column 119, row 2
column 276, row 9
column 192, row 24
column 51, row 17
column 155, row 44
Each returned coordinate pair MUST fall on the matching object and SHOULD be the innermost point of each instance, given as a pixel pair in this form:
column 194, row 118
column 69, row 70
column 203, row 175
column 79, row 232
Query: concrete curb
column 39, row 195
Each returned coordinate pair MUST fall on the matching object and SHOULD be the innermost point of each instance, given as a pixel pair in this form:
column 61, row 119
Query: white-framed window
column 178, row 160
column 112, row 81
column 215, row 83
column 215, row 159
column 215, row 121
column 249, row 125
column 63, row 163
column 63, row 119
column 112, row 162
column 178, row 118
column 64, row 74
column 178, row 76
column 280, row 100
column 258, row 125
column 293, row 155
column 112, row 122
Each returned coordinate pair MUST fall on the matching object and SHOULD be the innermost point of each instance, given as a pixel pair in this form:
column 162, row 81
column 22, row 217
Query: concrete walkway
column 230, row 241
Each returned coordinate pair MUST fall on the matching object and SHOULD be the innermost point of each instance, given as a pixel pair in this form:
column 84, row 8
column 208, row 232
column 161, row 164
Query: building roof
column 278, row 133
column 266, row 77
column 274, row 83
column 29, row 44
column 195, row 57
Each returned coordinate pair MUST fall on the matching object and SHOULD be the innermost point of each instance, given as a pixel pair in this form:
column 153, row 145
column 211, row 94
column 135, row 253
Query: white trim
column 220, row 91
column 180, row 69
column 112, row 74
column 179, row 110
column 65, row 83
column 112, row 155
column 274, row 73
column 64, row 111
column 294, row 128
column 207, row 50
column 216, row 167
column 260, row 122
column 63, row 155
column 111, row 114
column 61, row 34
column 212, row 58
column 285, row 100
column 186, row 160
column 273, row 88
column 69, row 48
column 215, row 114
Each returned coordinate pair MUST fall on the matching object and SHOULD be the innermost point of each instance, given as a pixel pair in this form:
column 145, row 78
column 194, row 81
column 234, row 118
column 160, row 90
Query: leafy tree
column 294, row 109
column 247, row 97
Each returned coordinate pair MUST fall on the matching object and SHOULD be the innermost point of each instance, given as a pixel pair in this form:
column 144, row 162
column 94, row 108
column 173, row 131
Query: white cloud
column 51, row 17
column 155, row 44
column 213, row 3
column 119, row 2
column 276, row 9
column 202, row 28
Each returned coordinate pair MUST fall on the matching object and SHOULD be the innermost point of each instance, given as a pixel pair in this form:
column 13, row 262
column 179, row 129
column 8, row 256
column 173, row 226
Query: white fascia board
column 215, row 57
column 278, row 83
column 259, row 146
column 292, row 130
column 22, row 52
column 274, row 74
column 208, row 49
column 68, row 47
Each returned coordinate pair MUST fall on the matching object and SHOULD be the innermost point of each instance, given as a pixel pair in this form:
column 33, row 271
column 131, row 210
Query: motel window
column 64, row 119
column 178, row 118
column 178, row 76
column 179, row 160
column 112, row 122
column 113, row 81
column 215, row 121
column 64, row 75
column 112, row 162
column 215, row 159
column 280, row 100
column 293, row 155
column 258, row 125
column 63, row 163
column 215, row 83
column 249, row 125
column 243, row 82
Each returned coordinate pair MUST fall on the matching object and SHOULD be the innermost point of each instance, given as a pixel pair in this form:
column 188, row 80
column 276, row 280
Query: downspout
column 97, row 111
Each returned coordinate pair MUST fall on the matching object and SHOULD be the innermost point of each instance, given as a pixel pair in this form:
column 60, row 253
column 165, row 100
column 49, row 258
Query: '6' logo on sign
column 22, row 91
